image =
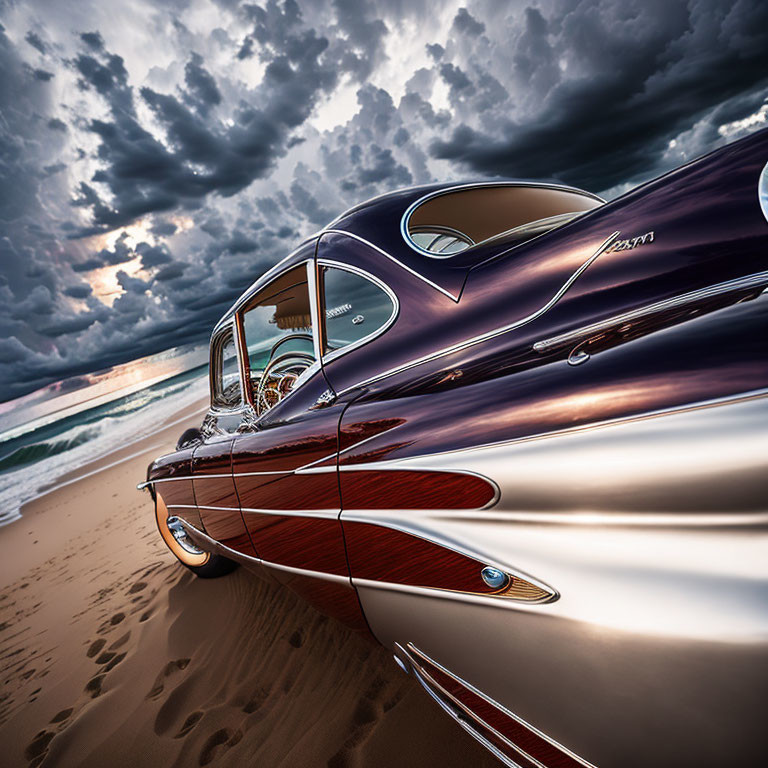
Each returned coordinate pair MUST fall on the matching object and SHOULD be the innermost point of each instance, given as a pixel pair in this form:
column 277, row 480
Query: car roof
column 379, row 222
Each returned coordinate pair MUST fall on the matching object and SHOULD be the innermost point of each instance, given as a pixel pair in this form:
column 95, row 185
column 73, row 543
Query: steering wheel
column 279, row 377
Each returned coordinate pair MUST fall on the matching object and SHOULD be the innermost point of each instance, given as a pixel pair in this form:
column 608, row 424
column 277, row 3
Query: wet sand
column 112, row 654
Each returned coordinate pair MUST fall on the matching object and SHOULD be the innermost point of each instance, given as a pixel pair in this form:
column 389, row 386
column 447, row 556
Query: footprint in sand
column 256, row 701
column 168, row 670
column 191, row 721
column 137, row 587
column 113, row 662
column 120, row 642
column 38, row 748
column 364, row 718
column 96, row 646
column 62, row 716
column 218, row 742
column 93, row 686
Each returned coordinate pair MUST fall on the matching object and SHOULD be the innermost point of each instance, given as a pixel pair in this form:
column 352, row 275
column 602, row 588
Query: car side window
column 226, row 393
column 354, row 307
column 277, row 329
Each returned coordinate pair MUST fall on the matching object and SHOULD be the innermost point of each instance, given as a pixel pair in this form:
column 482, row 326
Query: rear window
column 448, row 223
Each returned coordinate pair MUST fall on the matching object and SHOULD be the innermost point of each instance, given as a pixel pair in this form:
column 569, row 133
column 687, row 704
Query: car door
column 284, row 458
column 214, row 488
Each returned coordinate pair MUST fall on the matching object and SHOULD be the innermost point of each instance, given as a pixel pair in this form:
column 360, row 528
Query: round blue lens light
column 494, row 578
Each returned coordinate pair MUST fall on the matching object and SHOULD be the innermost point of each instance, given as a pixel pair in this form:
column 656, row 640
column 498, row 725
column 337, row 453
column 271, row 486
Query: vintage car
column 519, row 436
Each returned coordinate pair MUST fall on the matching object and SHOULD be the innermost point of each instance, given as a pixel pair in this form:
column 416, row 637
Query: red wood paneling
column 215, row 491
column 384, row 554
column 294, row 492
column 314, row 543
column 176, row 492
column 251, row 490
column 413, row 489
column 528, row 740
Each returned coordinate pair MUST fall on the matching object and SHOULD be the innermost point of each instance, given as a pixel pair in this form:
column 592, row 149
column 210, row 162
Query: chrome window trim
column 220, row 330
column 755, row 280
column 493, row 333
column 238, row 309
column 314, row 314
column 476, row 185
column 391, row 258
column 441, row 230
column 274, row 271
column 336, row 353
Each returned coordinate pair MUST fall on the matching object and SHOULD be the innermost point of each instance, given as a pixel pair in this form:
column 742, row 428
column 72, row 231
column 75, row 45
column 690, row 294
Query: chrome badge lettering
column 633, row 242
column 342, row 309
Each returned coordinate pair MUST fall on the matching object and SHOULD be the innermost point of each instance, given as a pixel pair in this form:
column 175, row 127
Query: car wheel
column 202, row 564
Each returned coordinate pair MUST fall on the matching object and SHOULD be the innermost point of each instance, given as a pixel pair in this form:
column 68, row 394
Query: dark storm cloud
column 466, row 23
column 202, row 91
column 171, row 271
column 153, row 256
column 163, row 228
column 79, row 291
column 651, row 76
column 34, row 40
column 203, row 156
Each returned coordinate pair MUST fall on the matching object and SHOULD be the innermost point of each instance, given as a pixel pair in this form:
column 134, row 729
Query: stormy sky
column 156, row 157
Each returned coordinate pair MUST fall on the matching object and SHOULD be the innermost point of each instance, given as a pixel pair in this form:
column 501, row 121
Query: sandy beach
column 112, row 654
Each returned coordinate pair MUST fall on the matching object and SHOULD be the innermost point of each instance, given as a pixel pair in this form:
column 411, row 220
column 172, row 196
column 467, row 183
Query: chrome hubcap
column 178, row 533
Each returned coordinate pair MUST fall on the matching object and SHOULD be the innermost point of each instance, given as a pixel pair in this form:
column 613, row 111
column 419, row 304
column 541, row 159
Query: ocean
column 57, row 430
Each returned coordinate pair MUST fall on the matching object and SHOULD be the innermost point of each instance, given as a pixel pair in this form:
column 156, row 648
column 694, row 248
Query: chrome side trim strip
column 182, row 477
column 334, row 577
column 467, row 727
column 755, row 280
column 406, row 217
column 329, row 514
column 412, row 650
column 211, row 545
column 493, row 333
column 202, row 506
column 489, row 600
column 391, row 258
column 212, row 476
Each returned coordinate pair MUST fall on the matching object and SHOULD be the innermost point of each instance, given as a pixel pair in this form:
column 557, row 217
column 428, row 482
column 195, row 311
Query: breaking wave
column 38, row 457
